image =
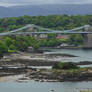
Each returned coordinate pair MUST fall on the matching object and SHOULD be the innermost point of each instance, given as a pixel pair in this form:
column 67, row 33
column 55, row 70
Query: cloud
column 50, row 1
column 22, row 2
column 7, row 4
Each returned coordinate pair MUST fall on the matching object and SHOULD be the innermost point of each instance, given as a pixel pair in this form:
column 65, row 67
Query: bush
column 3, row 48
column 65, row 65
column 12, row 47
column 12, row 51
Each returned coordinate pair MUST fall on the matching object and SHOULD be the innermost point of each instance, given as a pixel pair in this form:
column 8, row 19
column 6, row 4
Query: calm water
column 43, row 87
column 83, row 55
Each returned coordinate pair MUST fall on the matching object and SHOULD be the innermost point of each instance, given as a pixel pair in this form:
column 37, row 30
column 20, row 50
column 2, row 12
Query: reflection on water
column 83, row 55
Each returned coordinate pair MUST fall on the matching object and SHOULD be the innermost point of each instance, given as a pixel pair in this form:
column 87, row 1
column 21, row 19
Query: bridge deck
column 56, row 32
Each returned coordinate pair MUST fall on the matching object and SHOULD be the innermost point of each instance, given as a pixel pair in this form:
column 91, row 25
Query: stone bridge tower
column 87, row 38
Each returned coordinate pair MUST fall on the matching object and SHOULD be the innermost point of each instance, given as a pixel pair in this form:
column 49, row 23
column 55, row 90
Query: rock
column 54, row 77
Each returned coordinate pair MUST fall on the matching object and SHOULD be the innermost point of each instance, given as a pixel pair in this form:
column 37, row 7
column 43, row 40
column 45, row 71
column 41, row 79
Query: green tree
column 8, row 41
column 76, row 39
column 36, row 46
column 51, row 36
column 12, row 47
column 3, row 48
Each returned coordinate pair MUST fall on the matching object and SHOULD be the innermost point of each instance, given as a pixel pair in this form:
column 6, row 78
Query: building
column 64, row 45
column 60, row 36
column 30, row 49
column 43, row 36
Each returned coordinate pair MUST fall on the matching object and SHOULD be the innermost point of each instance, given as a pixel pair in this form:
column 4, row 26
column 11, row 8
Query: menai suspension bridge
column 20, row 31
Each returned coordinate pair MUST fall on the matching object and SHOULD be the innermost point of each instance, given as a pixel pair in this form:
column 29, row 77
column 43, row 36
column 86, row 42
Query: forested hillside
column 59, row 22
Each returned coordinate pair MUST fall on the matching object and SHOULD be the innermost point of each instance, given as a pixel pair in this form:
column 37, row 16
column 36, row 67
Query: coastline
column 61, row 75
column 21, row 63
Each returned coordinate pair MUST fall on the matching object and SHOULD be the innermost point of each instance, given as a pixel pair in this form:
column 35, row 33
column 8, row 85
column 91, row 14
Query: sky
column 25, row 2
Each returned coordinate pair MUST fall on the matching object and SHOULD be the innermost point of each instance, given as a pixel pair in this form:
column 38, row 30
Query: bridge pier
column 87, row 40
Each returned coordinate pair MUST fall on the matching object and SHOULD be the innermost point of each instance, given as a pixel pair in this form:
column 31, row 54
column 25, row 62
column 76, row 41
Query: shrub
column 3, row 48
column 12, row 47
column 65, row 65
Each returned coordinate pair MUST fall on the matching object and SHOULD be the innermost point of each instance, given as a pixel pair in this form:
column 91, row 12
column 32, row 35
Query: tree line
column 60, row 22
column 21, row 43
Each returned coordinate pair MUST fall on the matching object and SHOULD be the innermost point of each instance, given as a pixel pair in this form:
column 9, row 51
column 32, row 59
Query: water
column 43, row 87
column 83, row 55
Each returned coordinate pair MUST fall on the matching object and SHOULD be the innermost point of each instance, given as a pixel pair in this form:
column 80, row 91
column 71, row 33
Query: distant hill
column 35, row 10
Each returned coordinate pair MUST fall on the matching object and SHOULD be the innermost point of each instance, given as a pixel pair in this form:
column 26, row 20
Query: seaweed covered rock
column 65, row 65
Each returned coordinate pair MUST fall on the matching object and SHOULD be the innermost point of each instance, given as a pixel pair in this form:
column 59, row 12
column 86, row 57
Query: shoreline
column 50, row 75
column 36, row 59
column 69, row 47
column 55, row 75
column 21, row 63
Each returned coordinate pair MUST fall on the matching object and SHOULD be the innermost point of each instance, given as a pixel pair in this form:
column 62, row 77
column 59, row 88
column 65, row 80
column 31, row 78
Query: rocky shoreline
column 36, row 59
column 50, row 75
column 15, row 64
column 61, row 75
column 32, row 59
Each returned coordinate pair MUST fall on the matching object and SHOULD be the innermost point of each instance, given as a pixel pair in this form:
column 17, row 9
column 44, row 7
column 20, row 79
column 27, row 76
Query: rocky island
column 29, row 63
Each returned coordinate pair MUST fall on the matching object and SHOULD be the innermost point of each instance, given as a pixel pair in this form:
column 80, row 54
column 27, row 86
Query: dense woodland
column 60, row 22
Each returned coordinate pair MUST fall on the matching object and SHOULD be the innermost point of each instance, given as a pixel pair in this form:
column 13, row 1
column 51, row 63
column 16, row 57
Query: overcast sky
column 22, row 2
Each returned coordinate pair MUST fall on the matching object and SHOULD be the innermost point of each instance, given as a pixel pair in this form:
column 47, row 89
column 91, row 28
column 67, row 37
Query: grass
column 86, row 91
column 12, row 51
column 61, row 71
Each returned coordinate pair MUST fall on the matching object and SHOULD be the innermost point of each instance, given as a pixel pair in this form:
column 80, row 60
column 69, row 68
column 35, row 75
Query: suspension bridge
column 41, row 30
column 32, row 29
